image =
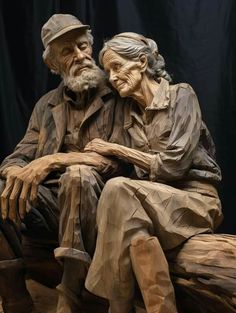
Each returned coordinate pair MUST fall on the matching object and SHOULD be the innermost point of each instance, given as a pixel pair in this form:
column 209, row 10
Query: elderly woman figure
column 171, row 195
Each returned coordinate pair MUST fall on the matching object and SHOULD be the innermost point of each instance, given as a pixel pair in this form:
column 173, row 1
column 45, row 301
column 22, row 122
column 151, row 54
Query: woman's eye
column 116, row 67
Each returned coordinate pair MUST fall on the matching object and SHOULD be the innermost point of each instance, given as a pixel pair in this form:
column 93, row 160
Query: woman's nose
column 112, row 76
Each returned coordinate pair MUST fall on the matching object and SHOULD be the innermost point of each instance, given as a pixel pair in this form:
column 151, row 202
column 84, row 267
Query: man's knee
column 76, row 173
column 82, row 176
column 75, row 169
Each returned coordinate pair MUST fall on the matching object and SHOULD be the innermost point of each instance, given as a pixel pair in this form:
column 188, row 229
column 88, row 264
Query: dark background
column 196, row 37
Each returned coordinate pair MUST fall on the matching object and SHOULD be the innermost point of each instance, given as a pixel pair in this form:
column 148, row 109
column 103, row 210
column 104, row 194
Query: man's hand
column 21, row 186
column 22, row 183
column 10, row 174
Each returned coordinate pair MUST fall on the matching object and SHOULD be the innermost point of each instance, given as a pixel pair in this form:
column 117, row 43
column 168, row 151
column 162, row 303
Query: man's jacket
column 47, row 126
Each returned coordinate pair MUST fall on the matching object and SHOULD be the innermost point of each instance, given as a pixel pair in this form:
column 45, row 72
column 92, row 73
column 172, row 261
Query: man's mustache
column 77, row 67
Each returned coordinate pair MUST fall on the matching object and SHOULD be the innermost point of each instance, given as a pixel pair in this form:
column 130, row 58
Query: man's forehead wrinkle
column 81, row 40
column 68, row 43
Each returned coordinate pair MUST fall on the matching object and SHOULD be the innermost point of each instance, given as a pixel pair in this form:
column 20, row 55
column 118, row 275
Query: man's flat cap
column 58, row 25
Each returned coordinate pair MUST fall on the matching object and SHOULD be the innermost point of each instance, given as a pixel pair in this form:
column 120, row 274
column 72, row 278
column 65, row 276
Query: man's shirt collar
column 63, row 94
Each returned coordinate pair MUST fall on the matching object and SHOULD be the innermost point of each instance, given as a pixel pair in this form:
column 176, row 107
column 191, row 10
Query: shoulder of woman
column 184, row 99
column 182, row 90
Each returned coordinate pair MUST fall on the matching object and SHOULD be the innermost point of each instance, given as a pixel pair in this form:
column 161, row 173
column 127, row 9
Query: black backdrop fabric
column 196, row 37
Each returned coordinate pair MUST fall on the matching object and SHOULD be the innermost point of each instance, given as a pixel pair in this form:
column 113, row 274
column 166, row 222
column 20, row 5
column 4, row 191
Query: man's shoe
column 13, row 291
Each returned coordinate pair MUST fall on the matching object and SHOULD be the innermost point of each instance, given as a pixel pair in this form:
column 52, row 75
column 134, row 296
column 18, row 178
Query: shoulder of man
column 51, row 98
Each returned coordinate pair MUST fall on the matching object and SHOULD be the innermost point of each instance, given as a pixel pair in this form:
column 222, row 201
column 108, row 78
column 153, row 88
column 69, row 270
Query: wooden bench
column 203, row 273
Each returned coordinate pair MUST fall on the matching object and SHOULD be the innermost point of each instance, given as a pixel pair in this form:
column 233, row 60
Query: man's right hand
column 10, row 174
column 22, row 182
column 22, row 187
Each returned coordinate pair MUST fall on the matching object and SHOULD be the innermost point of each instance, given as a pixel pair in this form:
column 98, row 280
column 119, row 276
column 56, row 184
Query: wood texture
column 204, row 274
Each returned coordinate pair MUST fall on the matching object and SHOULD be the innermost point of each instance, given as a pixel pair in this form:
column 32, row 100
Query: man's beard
column 91, row 77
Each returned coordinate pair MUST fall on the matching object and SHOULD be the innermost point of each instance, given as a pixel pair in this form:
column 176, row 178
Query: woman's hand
column 102, row 147
column 129, row 155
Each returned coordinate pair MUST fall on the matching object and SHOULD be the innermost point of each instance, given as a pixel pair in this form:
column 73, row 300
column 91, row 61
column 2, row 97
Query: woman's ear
column 143, row 62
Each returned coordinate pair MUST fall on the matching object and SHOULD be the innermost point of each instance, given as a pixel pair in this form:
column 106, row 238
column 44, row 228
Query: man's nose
column 78, row 54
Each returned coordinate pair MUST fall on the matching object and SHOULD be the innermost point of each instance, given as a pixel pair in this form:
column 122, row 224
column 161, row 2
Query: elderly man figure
column 173, row 195
column 47, row 183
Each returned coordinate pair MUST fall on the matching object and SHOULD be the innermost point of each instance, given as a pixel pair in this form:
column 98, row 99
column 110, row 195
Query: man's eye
column 83, row 46
column 65, row 51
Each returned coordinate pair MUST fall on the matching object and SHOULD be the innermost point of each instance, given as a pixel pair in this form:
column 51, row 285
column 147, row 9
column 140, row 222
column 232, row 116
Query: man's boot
column 15, row 296
column 71, row 286
column 67, row 302
column 152, row 274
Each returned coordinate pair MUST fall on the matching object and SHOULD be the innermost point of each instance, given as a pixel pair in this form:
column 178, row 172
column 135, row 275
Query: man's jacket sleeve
column 26, row 149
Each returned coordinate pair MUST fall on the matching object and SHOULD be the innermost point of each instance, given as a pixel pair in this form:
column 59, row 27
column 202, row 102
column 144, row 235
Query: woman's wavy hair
column 131, row 45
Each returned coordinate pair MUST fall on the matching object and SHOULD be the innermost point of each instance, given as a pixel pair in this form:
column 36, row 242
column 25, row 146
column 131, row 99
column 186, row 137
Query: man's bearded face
column 81, row 79
column 73, row 54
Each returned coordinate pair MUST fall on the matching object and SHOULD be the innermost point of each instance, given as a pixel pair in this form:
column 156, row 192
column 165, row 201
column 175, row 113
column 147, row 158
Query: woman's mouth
column 119, row 85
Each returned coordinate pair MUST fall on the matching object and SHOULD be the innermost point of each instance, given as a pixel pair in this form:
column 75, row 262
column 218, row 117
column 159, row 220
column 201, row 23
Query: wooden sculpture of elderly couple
column 168, row 196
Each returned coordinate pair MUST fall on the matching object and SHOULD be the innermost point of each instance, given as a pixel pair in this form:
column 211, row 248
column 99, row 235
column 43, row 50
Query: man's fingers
column 4, row 207
column 13, row 200
column 5, row 197
column 33, row 194
column 23, row 199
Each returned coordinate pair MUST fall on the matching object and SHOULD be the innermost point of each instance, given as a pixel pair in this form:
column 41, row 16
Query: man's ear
column 143, row 62
column 52, row 65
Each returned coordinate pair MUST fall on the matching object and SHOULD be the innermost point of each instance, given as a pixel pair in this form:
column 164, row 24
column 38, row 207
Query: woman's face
column 124, row 74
